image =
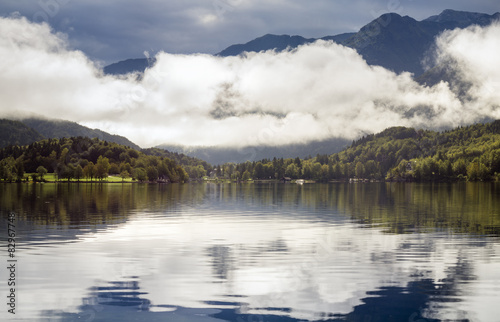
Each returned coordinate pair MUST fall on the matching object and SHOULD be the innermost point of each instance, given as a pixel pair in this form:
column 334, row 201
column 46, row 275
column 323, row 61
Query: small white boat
column 300, row 181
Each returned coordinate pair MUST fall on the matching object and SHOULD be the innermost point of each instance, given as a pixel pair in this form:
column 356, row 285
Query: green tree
column 268, row 170
column 183, row 176
column 7, row 168
column 337, row 171
column 102, row 168
column 346, row 170
column 307, row 170
column 41, row 171
column 460, row 167
column 141, row 174
column 236, row 175
column 298, row 162
column 477, row 171
column 152, row 173
column 133, row 154
column 445, row 169
column 317, row 173
column 258, row 171
column 89, row 171
column 292, row 171
column 114, row 168
column 371, row 169
column 65, row 172
column 360, row 170
column 63, row 158
column 201, row 171
column 163, row 172
column 124, row 175
column 19, row 169
column 324, row 175
column 78, row 173
column 246, row 176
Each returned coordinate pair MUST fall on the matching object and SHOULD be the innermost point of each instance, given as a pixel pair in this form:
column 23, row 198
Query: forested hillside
column 17, row 133
column 32, row 130
column 85, row 158
column 65, row 129
column 471, row 153
column 396, row 154
column 196, row 168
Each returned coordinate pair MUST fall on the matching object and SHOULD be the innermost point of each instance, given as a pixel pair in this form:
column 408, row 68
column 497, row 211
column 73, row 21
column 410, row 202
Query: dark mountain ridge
column 29, row 130
column 398, row 43
column 17, row 133
column 462, row 19
column 401, row 43
column 129, row 66
column 266, row 42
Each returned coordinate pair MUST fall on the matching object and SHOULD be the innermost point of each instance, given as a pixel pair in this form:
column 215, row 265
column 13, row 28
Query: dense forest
column 396, row 154
column 28, row 131
column 85, row 158
column 196, row 168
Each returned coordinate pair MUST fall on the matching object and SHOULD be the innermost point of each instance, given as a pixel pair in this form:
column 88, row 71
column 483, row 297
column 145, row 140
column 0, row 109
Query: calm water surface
column 254, row 252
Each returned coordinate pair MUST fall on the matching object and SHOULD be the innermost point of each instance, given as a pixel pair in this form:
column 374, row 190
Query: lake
column 253, row 252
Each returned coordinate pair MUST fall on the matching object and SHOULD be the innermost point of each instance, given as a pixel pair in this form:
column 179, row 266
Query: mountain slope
column 400, row 153
column 394, row 42
column 129, row 66
column 461, row 19
column 391, row 41
column 266, row 42
column 340, row 38
column 220, row 155
column 395, row 154
column 60, row 129
column 17, row 133
column 400, row 43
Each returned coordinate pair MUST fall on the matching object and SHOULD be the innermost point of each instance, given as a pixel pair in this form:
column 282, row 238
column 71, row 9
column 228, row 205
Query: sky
column 319, row 91
column 114, row 30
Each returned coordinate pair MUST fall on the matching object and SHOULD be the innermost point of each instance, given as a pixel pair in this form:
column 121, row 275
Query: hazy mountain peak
column 462, row 18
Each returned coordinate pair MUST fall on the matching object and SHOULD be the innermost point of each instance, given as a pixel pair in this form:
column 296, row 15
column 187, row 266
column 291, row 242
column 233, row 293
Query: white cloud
column 317, row 91
column 473, row 54
column 39, row 75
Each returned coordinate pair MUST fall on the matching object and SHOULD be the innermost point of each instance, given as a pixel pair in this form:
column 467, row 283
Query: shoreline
column 226, row 181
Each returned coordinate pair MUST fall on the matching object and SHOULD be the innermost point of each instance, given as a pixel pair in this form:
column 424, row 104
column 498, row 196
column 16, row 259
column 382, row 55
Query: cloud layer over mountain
column 317, row 91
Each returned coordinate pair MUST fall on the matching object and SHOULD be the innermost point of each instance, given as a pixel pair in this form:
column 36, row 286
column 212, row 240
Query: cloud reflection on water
column 307, row 268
